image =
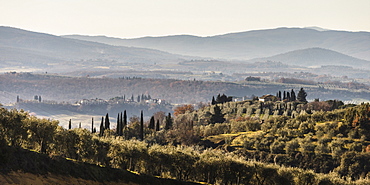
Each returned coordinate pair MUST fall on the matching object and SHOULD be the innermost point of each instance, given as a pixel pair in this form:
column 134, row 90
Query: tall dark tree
column 218, row 98
column 223, row 98
column 92, row 125
column 17, row 99
column 284, row 95
column 151, row 123
column 280, row 95
column 124, row 125
column 288, row 96
column 292, row 95
column 107, row 123
column 70, row 124
column 157, row 126
column 302, row 96
column 101, row 133
column 217, row 116
column 169, row 122
column 138, row 98
column 118, row 125
column 213, row 100
column 120, row 132
column 79, row 126
column 39, row 98
column 141, row 136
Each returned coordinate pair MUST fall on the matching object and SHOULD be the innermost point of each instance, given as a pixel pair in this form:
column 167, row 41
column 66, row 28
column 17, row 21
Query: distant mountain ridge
column 25, row 49
column 32, row 51
column 250, row 44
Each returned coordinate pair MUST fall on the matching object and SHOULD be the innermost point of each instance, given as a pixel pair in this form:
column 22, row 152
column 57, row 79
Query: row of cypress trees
column 122, row 124
column 301, row 97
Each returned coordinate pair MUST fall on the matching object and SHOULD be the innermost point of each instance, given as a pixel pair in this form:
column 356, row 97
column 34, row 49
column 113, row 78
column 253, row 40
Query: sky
column 139, row 18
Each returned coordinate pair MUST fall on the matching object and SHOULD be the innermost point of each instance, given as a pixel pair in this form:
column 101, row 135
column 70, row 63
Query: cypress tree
column 124, row 123
column 141, row 136
column 151, row 123
column 213, row 100
column 118, row 125
column 79, row 126
column 70, row 124
column 288, row 96
column 101, row 127
column 107, row 123
column 157, row 126
column 218, row 99
column 292, row 95
column 222, row 98
column 92, row 125
column 168, row 122
column 280, row 95
column 284, row 95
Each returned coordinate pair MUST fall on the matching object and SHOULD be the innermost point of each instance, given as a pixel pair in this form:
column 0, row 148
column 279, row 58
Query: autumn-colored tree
column 183, row 109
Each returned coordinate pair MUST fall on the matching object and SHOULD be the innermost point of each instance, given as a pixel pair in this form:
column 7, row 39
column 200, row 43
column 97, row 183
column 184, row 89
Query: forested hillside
column 321, row 142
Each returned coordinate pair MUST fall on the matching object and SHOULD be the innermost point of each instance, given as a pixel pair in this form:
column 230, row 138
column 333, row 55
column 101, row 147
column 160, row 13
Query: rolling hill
column 21, row 49
column 21, row 166
column 250, row 44
column 71, row 89
column 316, row 57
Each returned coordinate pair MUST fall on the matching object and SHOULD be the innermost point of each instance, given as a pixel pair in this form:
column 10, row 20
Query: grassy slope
column 20, row 166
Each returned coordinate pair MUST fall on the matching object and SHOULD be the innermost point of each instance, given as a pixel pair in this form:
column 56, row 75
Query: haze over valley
column 89, row 67
column 185, row 92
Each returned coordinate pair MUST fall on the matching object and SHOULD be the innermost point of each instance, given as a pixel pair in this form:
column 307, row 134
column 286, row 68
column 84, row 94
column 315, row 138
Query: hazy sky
column 137, row 18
